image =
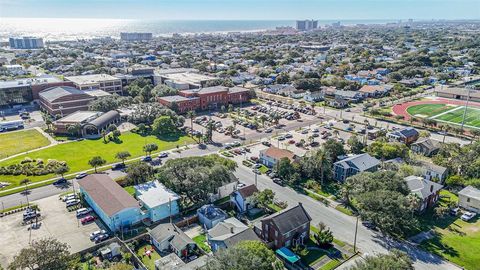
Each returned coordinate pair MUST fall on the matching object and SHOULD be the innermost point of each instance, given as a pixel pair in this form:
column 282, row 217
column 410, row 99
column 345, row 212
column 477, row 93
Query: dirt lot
column 56, row 222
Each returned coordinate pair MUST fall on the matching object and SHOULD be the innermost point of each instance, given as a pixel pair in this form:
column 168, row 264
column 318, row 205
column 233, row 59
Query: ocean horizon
column 57, row 29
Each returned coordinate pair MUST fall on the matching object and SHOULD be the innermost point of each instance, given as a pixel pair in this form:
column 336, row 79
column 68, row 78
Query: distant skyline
column 243, row 9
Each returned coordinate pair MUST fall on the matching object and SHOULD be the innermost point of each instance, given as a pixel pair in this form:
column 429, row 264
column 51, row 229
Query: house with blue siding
column 352, row 165
column 157, row 201
column 113, row 205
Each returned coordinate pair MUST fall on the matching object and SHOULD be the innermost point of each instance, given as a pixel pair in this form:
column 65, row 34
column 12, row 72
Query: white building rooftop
column 90, row 79
column 154, row 194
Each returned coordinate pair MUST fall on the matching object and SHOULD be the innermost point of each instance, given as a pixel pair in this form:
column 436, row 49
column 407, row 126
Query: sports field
column 452, row 114
column 12, row 143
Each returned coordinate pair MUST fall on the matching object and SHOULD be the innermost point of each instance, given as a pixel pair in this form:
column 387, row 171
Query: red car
column 87, row 219
column 291, row 142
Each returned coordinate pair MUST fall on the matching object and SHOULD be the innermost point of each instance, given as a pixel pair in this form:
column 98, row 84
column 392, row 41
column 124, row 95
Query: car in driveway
column 87, row 219
column 81, row 175
column 95, row 234
column 468, row 216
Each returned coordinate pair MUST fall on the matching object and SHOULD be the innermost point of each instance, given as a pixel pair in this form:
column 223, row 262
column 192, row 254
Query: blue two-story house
column 117, row 209
column 354, row 164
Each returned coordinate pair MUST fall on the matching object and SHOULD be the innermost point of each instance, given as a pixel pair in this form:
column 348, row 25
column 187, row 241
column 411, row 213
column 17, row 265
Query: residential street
column 343, row 226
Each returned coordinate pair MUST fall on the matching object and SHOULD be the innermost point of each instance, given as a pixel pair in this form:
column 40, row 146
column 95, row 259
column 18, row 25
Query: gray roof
column 212, row 212
column 171, row 233
column 231, row 231
column 433, row 167
column 406, row 132
column 470, row 192
column 361, row 162
column 53, row 93
column 289, row 219
column 422, row 187
column 177, row 98
column 105, row 118
column 208, row 90
column 429, row 144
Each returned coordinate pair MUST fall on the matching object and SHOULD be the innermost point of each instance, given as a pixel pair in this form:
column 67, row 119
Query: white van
column 83, row 211
column 69, row 197
column 72, row 202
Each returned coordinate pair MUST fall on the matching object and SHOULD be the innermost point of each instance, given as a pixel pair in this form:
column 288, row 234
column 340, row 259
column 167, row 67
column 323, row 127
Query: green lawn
column 263, row 169
column 12, row 143
column 428, row 110
column 77, row 153
column 456, row 240
column 148, row 262
column 130, row 190
column 472, row 118
column 201, row 241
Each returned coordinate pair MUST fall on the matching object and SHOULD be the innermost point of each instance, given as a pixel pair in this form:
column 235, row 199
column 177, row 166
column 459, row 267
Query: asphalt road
column 343, row 226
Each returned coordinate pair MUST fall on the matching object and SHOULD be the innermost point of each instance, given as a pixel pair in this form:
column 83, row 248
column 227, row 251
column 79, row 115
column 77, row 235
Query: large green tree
column 335, row 148
column 195, row 178
column 164, row 125
column 139, row 172
column 396, row 260
column 97, row 161
column 46, row 253
column 245, row 255
column 317, row 165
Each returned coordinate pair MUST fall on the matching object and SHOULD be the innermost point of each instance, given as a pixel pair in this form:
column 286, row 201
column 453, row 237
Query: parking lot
column 55, row 221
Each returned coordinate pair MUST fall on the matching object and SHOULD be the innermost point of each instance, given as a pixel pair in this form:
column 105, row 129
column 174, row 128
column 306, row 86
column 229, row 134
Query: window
column 287, row 244
column 468, row 199
column 276, row 233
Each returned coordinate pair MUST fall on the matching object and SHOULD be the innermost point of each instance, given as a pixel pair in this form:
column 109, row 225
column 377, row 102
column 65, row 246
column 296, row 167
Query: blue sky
column 243, row 9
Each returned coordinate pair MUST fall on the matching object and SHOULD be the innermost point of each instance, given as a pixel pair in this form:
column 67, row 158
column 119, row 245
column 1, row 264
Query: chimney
column 231, row 230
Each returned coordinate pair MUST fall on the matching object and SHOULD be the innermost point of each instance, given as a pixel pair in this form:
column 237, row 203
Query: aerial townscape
column 236, row 145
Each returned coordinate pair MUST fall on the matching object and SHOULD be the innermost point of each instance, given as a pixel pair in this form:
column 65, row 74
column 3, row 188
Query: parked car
column 266, row 143
column 72, row 202
column 370, row 225
column 315, row 130
column 69, row 197
column 87, row 219
column 81, row 175
column 281, row 138
column 147, row 159
column 61, row 181
column 268, row 130
column 95, row 234
column 163, row 155
column 118, row 166
column 257, row 171
column 278, row 181
column 455, row 211
column 272, row 175
column 30, row 215
column 288, row 136
column 83, row 211
column 468, row 216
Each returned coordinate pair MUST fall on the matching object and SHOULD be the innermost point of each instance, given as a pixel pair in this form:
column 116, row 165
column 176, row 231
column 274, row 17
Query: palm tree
column 191, row 115
column 366, row 133
column 263, row 118
column 25, row 182
column 96, row 161
column 230, row 130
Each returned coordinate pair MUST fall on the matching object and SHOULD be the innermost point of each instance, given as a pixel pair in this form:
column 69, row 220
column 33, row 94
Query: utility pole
column 355, row 240
column 255, row 178
column 469, row 88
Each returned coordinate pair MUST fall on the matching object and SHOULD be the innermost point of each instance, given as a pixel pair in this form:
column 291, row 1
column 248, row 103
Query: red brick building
column 287, row 228
column 206, row 98
column 64, row 100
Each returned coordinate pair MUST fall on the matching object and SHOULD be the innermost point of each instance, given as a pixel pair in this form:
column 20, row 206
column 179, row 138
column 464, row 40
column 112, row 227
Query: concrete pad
column 56, row 222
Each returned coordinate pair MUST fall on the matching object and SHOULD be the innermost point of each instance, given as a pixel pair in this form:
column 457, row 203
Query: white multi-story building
column 25, row 43
column 103, row 82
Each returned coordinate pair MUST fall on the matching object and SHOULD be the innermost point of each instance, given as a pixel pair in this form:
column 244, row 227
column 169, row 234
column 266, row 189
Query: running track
column 401, row 109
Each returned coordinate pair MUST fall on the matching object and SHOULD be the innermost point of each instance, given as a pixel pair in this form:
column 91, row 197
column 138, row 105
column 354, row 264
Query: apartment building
column 105, row 82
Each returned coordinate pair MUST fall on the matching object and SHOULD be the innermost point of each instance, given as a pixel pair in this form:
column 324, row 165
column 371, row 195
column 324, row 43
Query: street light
column 469, row 88
column 355, row 239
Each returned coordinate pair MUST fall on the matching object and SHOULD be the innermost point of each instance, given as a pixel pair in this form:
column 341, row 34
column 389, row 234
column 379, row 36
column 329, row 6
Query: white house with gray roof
column 469, row 198
column 354, row 164
column 228, row 233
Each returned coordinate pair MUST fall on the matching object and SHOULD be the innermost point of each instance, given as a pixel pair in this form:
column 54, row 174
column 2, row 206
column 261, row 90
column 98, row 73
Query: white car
column 83, row 211
column 72, row 202
column 467, row 216
column 69, row 197
column 94, row 234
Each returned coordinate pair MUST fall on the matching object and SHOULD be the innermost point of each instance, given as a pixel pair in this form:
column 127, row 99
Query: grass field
column 428, row 110
column 77, row 153
column 12, row 143
column 472, row 117
column 456, row 240
column 447, row 114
